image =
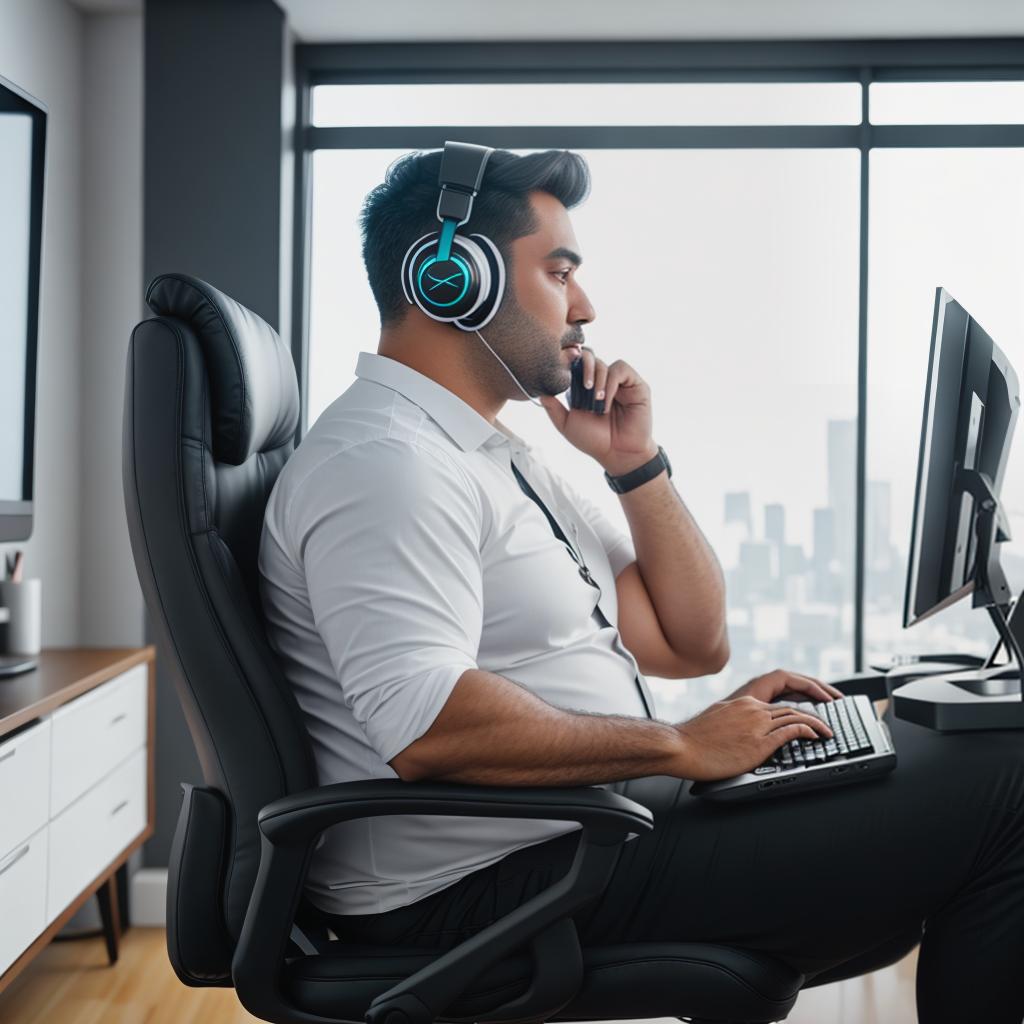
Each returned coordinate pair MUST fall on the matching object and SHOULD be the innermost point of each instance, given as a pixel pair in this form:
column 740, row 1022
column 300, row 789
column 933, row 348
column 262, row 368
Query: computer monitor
column 22, row 153
column 971, row 404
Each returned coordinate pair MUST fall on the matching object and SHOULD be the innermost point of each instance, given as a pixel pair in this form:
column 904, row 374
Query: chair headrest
column 254, row 395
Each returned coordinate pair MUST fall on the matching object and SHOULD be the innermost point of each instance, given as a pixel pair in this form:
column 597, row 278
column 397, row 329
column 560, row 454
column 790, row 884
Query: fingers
column 622, row 376
column 589, row 359
column 827, row 687
column 608, row 380
column 811, row 687
column 780, row 737
column 784, row 718
column 595, row 373
column 798, row 683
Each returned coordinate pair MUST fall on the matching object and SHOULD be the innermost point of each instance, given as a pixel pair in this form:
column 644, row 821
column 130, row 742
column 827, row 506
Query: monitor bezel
column 16, row 514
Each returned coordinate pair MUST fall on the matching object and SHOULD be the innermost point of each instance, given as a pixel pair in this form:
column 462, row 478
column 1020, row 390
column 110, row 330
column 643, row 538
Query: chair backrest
column 211, row 409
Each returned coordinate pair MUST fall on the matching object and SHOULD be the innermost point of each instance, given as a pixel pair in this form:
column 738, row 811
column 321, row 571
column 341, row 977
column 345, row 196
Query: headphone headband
column 462, row 170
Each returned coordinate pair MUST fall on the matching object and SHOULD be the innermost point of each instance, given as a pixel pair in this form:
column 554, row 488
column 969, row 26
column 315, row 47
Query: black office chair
column 211, row 408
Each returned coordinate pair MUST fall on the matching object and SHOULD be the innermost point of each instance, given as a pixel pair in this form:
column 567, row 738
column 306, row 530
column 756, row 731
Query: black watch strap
column 640, row 475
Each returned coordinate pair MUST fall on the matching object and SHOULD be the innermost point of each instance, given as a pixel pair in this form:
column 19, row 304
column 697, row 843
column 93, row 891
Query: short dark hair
column 404, row 208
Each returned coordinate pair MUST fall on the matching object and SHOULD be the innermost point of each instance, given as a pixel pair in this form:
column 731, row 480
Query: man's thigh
column 819, row 877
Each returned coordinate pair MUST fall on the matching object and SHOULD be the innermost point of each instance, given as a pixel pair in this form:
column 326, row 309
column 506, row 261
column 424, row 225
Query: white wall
column 87, row 70
column 41, row 50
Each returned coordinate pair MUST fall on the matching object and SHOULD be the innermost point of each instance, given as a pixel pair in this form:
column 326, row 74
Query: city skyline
column 791, row 608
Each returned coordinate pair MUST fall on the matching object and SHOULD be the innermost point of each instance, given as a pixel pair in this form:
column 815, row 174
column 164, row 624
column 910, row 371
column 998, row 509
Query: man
column 434, row 627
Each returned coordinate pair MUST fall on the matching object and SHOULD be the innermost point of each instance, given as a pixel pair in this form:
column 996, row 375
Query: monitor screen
column 970, row 410
column 22, row 139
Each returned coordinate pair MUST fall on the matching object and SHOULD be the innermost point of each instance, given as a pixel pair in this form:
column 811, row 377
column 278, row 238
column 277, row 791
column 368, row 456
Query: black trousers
column 816, row 879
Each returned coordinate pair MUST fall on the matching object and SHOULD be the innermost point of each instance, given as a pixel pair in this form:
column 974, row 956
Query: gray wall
column 217, row 192
column 214, row 74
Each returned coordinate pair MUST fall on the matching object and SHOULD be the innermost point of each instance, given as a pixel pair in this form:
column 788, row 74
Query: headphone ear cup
column 491, row 300
column 407, row 260
column 446, row 290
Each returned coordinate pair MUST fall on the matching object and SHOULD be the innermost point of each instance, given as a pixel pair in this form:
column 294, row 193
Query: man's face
column 544, row 307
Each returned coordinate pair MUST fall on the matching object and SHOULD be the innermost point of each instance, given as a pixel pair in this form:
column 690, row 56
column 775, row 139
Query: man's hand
column 619, row 439
column 788, row 686
column 736, row 735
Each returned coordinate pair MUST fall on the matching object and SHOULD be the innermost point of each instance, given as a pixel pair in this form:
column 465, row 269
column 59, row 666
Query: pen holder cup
column 22, row 632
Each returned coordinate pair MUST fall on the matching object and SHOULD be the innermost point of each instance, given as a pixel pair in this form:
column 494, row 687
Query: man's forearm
column 680, row 571
column 494, row 732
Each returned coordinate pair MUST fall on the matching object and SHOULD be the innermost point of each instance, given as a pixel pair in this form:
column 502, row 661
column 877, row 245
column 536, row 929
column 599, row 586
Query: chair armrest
column 873, row 685
column 289, row 828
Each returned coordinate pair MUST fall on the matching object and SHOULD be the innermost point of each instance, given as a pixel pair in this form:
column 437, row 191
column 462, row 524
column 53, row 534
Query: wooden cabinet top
column 63, row 673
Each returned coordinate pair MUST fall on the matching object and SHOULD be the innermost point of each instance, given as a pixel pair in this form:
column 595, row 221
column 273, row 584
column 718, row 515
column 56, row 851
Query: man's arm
column 492, row 731
column 682, row 578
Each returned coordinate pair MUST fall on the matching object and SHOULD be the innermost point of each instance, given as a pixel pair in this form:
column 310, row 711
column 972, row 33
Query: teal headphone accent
column 444, row 247
column 455, row 278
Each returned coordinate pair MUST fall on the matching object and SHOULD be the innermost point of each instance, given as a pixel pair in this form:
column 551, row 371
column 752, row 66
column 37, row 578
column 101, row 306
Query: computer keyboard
column 849, row 737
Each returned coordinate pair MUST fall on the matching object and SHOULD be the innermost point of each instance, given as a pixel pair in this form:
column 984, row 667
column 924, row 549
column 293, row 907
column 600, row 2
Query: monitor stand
column 990, row 696
column 947, row 703
column 999, row 681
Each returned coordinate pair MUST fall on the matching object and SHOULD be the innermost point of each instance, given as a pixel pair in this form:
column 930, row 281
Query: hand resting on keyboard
column 791, row 686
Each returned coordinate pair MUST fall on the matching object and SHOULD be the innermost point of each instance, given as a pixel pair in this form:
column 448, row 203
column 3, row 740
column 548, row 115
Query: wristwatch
column 640, row 475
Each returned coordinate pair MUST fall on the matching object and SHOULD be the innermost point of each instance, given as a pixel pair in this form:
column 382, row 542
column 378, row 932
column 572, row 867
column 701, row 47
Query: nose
column 580, row 310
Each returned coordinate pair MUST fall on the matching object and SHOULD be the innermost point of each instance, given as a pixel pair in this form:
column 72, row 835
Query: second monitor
column 972, row 401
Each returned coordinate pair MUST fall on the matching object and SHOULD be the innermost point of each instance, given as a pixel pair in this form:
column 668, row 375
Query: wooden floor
column 70, row 983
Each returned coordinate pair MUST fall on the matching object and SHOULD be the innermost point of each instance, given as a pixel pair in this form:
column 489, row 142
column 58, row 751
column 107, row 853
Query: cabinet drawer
column 90, row 833
column 24, row 784
column 22, row 897
column 95, row 732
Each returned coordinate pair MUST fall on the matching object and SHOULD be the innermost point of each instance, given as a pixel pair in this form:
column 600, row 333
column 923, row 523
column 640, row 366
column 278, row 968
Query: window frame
column 864, row 62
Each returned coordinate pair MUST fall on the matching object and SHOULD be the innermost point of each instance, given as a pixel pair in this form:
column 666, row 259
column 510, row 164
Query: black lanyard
column 583, row 570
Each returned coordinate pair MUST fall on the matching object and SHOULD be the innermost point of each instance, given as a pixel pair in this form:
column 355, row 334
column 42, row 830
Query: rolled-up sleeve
column 388, row 532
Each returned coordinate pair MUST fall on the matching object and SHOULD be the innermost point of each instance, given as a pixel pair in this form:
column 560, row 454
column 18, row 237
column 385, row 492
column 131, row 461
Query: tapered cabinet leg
column 107, row 896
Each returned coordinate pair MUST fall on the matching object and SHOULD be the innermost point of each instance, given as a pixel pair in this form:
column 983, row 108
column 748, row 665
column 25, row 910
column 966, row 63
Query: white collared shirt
column 397, row 552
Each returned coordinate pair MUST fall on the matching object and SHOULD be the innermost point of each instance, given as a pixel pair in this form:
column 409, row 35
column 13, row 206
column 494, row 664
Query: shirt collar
column 459, row 420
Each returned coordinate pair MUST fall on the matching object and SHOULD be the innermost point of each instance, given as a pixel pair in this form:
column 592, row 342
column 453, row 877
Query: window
column 955, row 218
column 590, row 103
column 747, row 310
column 947, row 103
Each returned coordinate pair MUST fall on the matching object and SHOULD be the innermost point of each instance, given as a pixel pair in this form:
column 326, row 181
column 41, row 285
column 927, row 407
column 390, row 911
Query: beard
column 532, row 353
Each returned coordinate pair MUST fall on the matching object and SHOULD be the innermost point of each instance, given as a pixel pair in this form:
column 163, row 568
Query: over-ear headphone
column 456, row 279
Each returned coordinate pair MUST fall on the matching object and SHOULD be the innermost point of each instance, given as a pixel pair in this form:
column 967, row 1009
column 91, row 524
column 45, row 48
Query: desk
column 76, row 790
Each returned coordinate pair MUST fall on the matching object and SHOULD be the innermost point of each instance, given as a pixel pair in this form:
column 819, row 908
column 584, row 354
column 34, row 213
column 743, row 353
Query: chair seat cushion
column 681, row 979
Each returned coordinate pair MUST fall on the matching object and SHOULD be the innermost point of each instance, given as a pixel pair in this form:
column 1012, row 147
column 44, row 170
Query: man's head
column 522, row 207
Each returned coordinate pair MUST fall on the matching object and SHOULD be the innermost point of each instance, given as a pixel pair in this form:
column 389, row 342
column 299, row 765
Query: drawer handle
column 118, row 718
column 14, row 858
column 8, row 754
column 123, row 803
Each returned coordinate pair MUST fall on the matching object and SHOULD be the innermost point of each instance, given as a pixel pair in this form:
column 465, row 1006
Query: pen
column 14, row 566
